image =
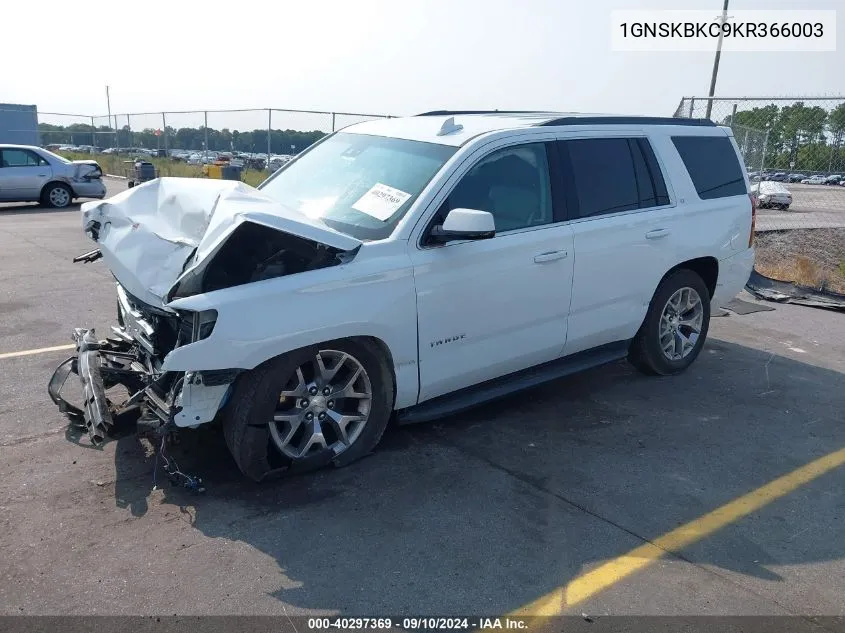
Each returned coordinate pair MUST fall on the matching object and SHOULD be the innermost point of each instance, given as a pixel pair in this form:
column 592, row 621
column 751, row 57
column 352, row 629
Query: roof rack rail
column 626, row 120
column 454, row 112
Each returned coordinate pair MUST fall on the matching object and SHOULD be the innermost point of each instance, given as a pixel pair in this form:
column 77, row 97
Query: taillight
column 753, row 219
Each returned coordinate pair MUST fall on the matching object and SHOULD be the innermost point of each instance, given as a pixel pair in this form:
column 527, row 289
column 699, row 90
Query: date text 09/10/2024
column 420, row 623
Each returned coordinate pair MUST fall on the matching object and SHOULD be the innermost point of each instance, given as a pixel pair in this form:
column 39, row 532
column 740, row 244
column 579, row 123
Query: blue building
column 18, row 124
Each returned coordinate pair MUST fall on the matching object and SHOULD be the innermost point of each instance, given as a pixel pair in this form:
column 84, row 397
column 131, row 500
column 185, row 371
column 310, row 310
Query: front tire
column 57, row 196
column 675, row 326
column 321, row 405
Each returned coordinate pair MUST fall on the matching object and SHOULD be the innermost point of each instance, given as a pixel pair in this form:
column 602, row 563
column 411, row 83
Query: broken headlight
column 199, row 325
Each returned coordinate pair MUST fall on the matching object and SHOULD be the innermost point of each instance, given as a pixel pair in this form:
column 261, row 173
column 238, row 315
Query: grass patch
column 809, row 257
column 165, row 167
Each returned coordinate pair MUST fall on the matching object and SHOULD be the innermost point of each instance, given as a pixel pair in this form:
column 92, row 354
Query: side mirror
column 465, row 224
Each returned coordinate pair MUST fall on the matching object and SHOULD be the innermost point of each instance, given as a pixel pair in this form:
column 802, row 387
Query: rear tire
column 257, row 396
column 56, row 196
column 648, row 349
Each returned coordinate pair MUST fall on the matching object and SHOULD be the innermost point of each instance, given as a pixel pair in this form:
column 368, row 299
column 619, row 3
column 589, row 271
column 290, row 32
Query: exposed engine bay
column 254, row 252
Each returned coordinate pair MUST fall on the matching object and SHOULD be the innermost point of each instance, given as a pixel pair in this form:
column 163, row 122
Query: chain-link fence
column 57, row 129
column 794, row 151
column 182, row 143
column 266, row 131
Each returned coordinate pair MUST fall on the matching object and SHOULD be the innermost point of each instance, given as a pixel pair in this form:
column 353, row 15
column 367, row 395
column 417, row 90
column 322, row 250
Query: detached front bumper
column 99, row 365
column 155, row 398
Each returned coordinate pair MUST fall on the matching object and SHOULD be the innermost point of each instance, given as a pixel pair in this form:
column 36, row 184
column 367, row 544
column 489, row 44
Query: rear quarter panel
column 718, row 227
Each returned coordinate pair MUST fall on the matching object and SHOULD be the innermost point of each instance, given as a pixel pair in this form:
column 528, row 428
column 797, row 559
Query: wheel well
column 56, row 182
column 376, row 344
column 382, row 349
column 705, row 267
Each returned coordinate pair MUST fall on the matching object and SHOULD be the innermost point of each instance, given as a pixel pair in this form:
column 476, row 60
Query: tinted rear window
column 712, row 164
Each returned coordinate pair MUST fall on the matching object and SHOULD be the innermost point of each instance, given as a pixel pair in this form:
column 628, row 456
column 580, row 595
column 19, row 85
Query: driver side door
column 490, row 307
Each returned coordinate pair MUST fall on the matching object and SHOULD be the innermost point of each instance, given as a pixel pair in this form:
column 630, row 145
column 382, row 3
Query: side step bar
column 476, row 395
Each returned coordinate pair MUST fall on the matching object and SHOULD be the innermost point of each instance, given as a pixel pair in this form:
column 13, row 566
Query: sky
column 376, row 56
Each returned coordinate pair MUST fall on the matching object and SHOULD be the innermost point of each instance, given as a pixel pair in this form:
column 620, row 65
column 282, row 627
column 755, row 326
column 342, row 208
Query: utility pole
column 108, row 107
column 716, row 61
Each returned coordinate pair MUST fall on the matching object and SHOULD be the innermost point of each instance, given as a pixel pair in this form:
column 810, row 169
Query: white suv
column 410, row 268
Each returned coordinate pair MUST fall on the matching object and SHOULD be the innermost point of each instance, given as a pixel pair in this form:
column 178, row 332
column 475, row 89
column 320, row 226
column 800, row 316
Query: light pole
column 716, row 61
column 108, row 107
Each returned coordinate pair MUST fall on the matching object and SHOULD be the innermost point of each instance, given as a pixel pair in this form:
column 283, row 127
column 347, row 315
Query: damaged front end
column 131, row 358
column 165, row 240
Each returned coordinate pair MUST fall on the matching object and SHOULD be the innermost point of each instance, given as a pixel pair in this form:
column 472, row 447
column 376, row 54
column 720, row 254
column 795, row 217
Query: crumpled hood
column 148, row 233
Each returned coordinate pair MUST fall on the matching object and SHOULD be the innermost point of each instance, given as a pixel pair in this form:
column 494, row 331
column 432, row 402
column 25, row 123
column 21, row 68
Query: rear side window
column 612, row 175
column 712, row 164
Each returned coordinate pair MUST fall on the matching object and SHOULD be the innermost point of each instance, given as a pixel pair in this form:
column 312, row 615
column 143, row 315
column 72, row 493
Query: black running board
column 485, row 392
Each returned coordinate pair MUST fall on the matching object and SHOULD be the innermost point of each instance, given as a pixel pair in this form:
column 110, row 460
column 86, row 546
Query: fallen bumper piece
column 763, row 287
column 99, row 365
column 156, row 400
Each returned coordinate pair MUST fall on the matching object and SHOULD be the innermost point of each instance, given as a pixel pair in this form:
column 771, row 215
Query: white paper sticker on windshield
column 381, row 201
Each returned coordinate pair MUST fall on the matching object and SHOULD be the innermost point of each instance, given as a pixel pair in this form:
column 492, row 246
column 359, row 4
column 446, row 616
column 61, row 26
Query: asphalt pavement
column 480, row 513
column 813, row 207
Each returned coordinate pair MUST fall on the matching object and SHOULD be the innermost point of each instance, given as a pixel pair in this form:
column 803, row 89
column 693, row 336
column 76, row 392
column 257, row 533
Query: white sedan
column 813, row 180
column 772, row 194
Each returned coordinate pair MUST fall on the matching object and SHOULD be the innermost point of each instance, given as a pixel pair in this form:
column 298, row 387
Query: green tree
column 802, row 125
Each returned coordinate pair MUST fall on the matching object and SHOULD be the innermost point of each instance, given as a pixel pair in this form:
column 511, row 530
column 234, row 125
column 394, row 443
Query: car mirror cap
column 469, row 221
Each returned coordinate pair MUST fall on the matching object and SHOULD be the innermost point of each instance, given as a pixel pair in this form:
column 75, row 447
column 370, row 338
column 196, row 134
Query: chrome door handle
column 551, row 256
column 653, row 235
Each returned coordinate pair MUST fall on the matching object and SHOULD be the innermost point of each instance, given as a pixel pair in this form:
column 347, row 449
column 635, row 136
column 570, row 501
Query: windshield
column 358, row 184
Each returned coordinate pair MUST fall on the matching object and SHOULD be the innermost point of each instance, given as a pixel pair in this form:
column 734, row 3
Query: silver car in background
column 33, row 174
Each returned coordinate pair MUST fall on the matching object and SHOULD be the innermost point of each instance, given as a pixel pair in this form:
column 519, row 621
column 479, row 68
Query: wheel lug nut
column 330, row 404
column 326, row 391
column 303, row 403
column 309, row 416
column 321, row 417
column 313, row 391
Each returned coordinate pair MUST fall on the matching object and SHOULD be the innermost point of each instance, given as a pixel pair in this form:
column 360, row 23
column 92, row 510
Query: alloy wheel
column 680, row 323
column 324, row 405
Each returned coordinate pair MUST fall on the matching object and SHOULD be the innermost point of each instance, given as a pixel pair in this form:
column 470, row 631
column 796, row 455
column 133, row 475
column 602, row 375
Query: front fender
column 262, row 320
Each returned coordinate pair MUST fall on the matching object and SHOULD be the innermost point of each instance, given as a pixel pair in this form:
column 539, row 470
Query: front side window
column 511, row 183
column 358, row 184
column 21, row 158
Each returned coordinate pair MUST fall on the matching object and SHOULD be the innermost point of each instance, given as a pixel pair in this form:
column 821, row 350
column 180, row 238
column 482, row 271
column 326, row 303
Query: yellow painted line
column 608, row 574
column 32, row 352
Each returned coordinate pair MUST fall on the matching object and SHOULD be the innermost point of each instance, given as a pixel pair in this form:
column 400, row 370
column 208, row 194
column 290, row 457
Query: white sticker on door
column 381, row 201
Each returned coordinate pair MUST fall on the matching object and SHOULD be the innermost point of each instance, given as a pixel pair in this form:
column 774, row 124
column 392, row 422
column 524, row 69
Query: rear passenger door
column 625, row 234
